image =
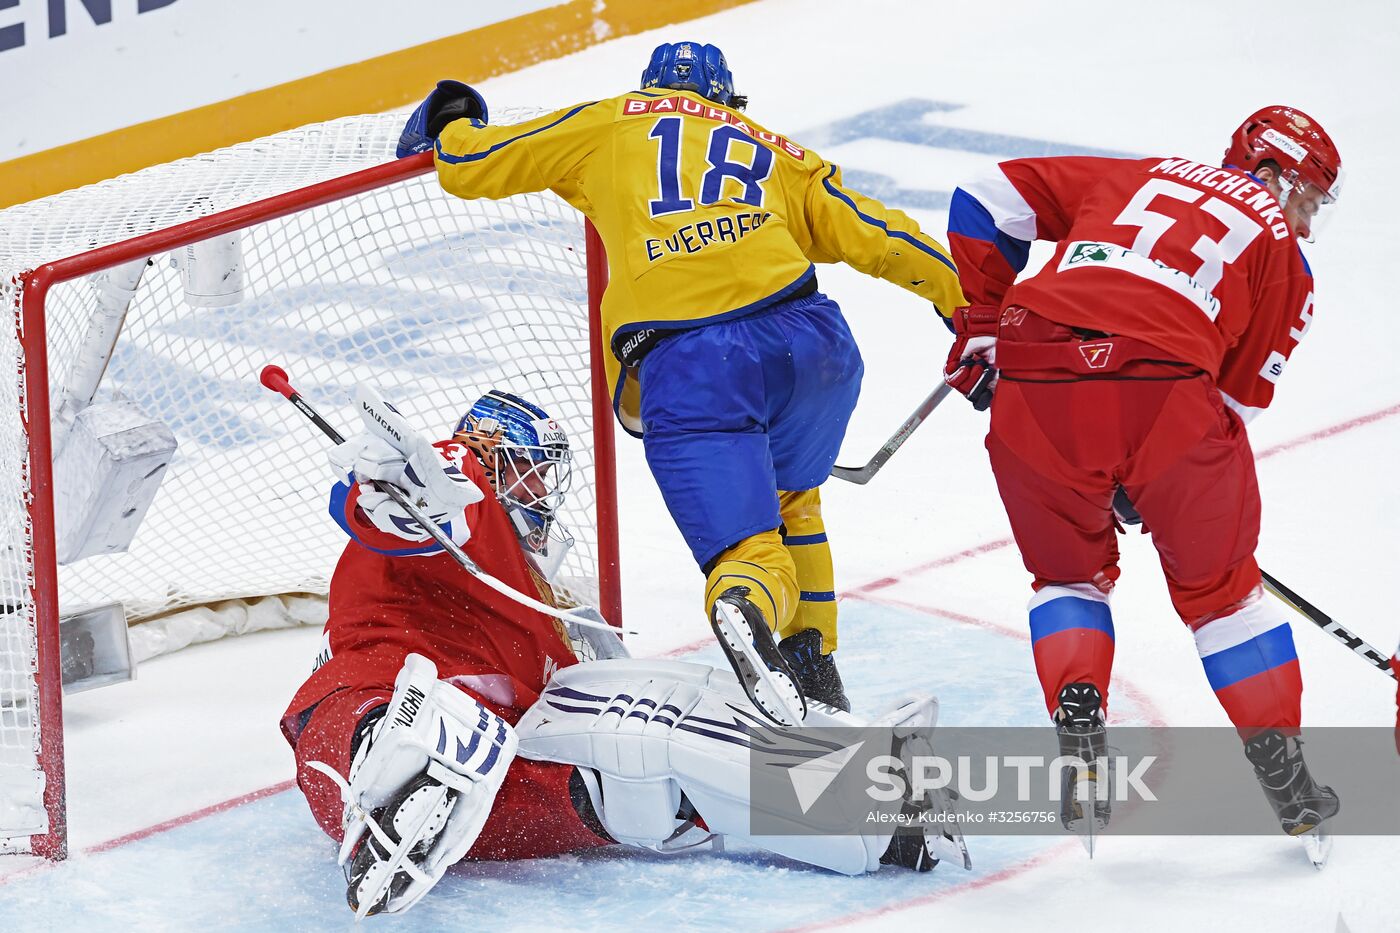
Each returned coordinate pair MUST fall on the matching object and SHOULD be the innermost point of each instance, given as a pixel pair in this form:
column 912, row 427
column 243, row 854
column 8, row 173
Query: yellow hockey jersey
column 705, row 215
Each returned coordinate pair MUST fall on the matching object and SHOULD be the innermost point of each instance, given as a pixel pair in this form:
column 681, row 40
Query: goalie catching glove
column 389, row 451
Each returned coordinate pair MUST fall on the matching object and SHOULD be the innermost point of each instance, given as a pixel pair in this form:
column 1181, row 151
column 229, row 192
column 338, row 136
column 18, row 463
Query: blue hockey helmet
column 691, row 66
column 528, row 462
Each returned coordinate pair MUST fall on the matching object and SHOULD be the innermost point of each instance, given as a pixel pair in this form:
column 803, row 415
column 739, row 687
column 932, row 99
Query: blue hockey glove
column 450, row 100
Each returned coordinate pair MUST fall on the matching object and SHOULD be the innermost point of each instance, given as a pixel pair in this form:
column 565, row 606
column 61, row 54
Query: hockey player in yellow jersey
column 737, row 373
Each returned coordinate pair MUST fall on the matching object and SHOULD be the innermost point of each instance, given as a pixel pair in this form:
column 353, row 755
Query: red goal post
column 432, row 298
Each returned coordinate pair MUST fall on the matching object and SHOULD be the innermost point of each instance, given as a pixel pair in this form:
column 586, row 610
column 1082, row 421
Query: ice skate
column 816, row 672
column 748, row 644
column 1301, row 804
column 1079, row 726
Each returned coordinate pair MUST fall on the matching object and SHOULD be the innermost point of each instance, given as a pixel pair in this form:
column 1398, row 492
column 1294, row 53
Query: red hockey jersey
column 1194, row 259
column 389, row 596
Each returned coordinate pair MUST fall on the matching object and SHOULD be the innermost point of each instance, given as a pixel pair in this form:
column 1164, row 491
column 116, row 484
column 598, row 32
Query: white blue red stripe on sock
column 1252, row 666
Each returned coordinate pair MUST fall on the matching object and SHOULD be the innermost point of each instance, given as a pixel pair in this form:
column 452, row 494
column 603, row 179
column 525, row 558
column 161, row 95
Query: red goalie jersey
column 1193, row 259
column 389, row 597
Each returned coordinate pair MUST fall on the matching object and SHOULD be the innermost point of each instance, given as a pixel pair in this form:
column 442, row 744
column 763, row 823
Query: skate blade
column 1317, row 843
column 1088, row 833
column 774, row 693
column 1091, row 819
column 1088, row 829
column 947, row 843
column 369, row 902
column 949, row 846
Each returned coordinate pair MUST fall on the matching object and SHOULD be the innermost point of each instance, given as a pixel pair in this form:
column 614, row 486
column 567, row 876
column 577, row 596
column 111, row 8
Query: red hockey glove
column 1395, row 666
column 972, row 358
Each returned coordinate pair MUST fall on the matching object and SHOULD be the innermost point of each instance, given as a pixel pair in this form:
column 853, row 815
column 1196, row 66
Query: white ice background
column 908, row 98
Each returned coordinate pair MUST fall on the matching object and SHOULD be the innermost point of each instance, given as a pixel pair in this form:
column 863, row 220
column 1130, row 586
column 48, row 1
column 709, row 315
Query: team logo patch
column 549, row 432
column 1096, row 354
column 1090, row 254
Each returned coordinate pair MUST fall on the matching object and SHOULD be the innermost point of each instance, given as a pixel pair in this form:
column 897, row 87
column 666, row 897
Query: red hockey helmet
column 1296, row 142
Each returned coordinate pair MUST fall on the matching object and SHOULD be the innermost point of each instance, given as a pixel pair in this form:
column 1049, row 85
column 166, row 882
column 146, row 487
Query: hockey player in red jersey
column 1129, row 365
column 428, row 713
column 396, row 595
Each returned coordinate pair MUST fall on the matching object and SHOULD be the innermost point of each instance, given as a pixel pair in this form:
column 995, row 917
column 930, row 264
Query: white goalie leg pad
column 654, row 730
column 437, row 736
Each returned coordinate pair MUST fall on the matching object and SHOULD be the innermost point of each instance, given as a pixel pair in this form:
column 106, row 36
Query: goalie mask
column 529, row 465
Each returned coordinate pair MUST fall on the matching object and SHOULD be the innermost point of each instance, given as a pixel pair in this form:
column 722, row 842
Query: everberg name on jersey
column 1235, row 184
column 692, row 238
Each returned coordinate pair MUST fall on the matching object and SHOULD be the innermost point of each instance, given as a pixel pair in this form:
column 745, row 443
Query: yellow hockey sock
column 811, row 555
column 761, row 563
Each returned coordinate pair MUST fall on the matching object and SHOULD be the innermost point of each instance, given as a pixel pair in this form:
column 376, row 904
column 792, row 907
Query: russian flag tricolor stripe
column 1244, row 643
column 1071, row 638
column 1058, row 609
column 1236, row 628
column 1260, row 653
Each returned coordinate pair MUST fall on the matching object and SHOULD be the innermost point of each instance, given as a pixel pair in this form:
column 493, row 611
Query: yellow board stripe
column 369, row 86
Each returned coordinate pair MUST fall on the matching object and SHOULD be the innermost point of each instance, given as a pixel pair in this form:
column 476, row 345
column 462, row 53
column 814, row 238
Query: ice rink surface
column 909, row 99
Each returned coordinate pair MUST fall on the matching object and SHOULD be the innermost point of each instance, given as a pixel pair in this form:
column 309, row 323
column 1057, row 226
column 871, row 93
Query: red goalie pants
column 1061, row 443
column 532, row 816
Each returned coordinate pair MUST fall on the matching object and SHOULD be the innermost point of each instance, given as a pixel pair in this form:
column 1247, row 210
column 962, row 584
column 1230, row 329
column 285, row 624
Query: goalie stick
column 862, row 475
column 275, row 378
column 1325, row 622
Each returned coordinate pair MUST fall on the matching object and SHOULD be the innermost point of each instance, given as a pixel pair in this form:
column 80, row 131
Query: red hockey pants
column 1061, row 442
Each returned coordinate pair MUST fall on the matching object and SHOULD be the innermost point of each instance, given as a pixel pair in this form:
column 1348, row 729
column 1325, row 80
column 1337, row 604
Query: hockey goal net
column 166, row 291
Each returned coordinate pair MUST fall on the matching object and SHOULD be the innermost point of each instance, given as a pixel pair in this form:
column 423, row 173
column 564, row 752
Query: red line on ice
column 1325, row 433
column 861, row 592
column 157, row 828
column 885, row 582
column 1011, row 871
column 1151, row 715
column 189, row 818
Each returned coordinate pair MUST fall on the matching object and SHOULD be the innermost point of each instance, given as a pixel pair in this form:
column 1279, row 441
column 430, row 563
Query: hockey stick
column 862, row 475
column 1325, row 622
column 275, row 378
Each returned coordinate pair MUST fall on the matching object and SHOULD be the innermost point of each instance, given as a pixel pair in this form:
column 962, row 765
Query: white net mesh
column 431, row 299
column 20, row 800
